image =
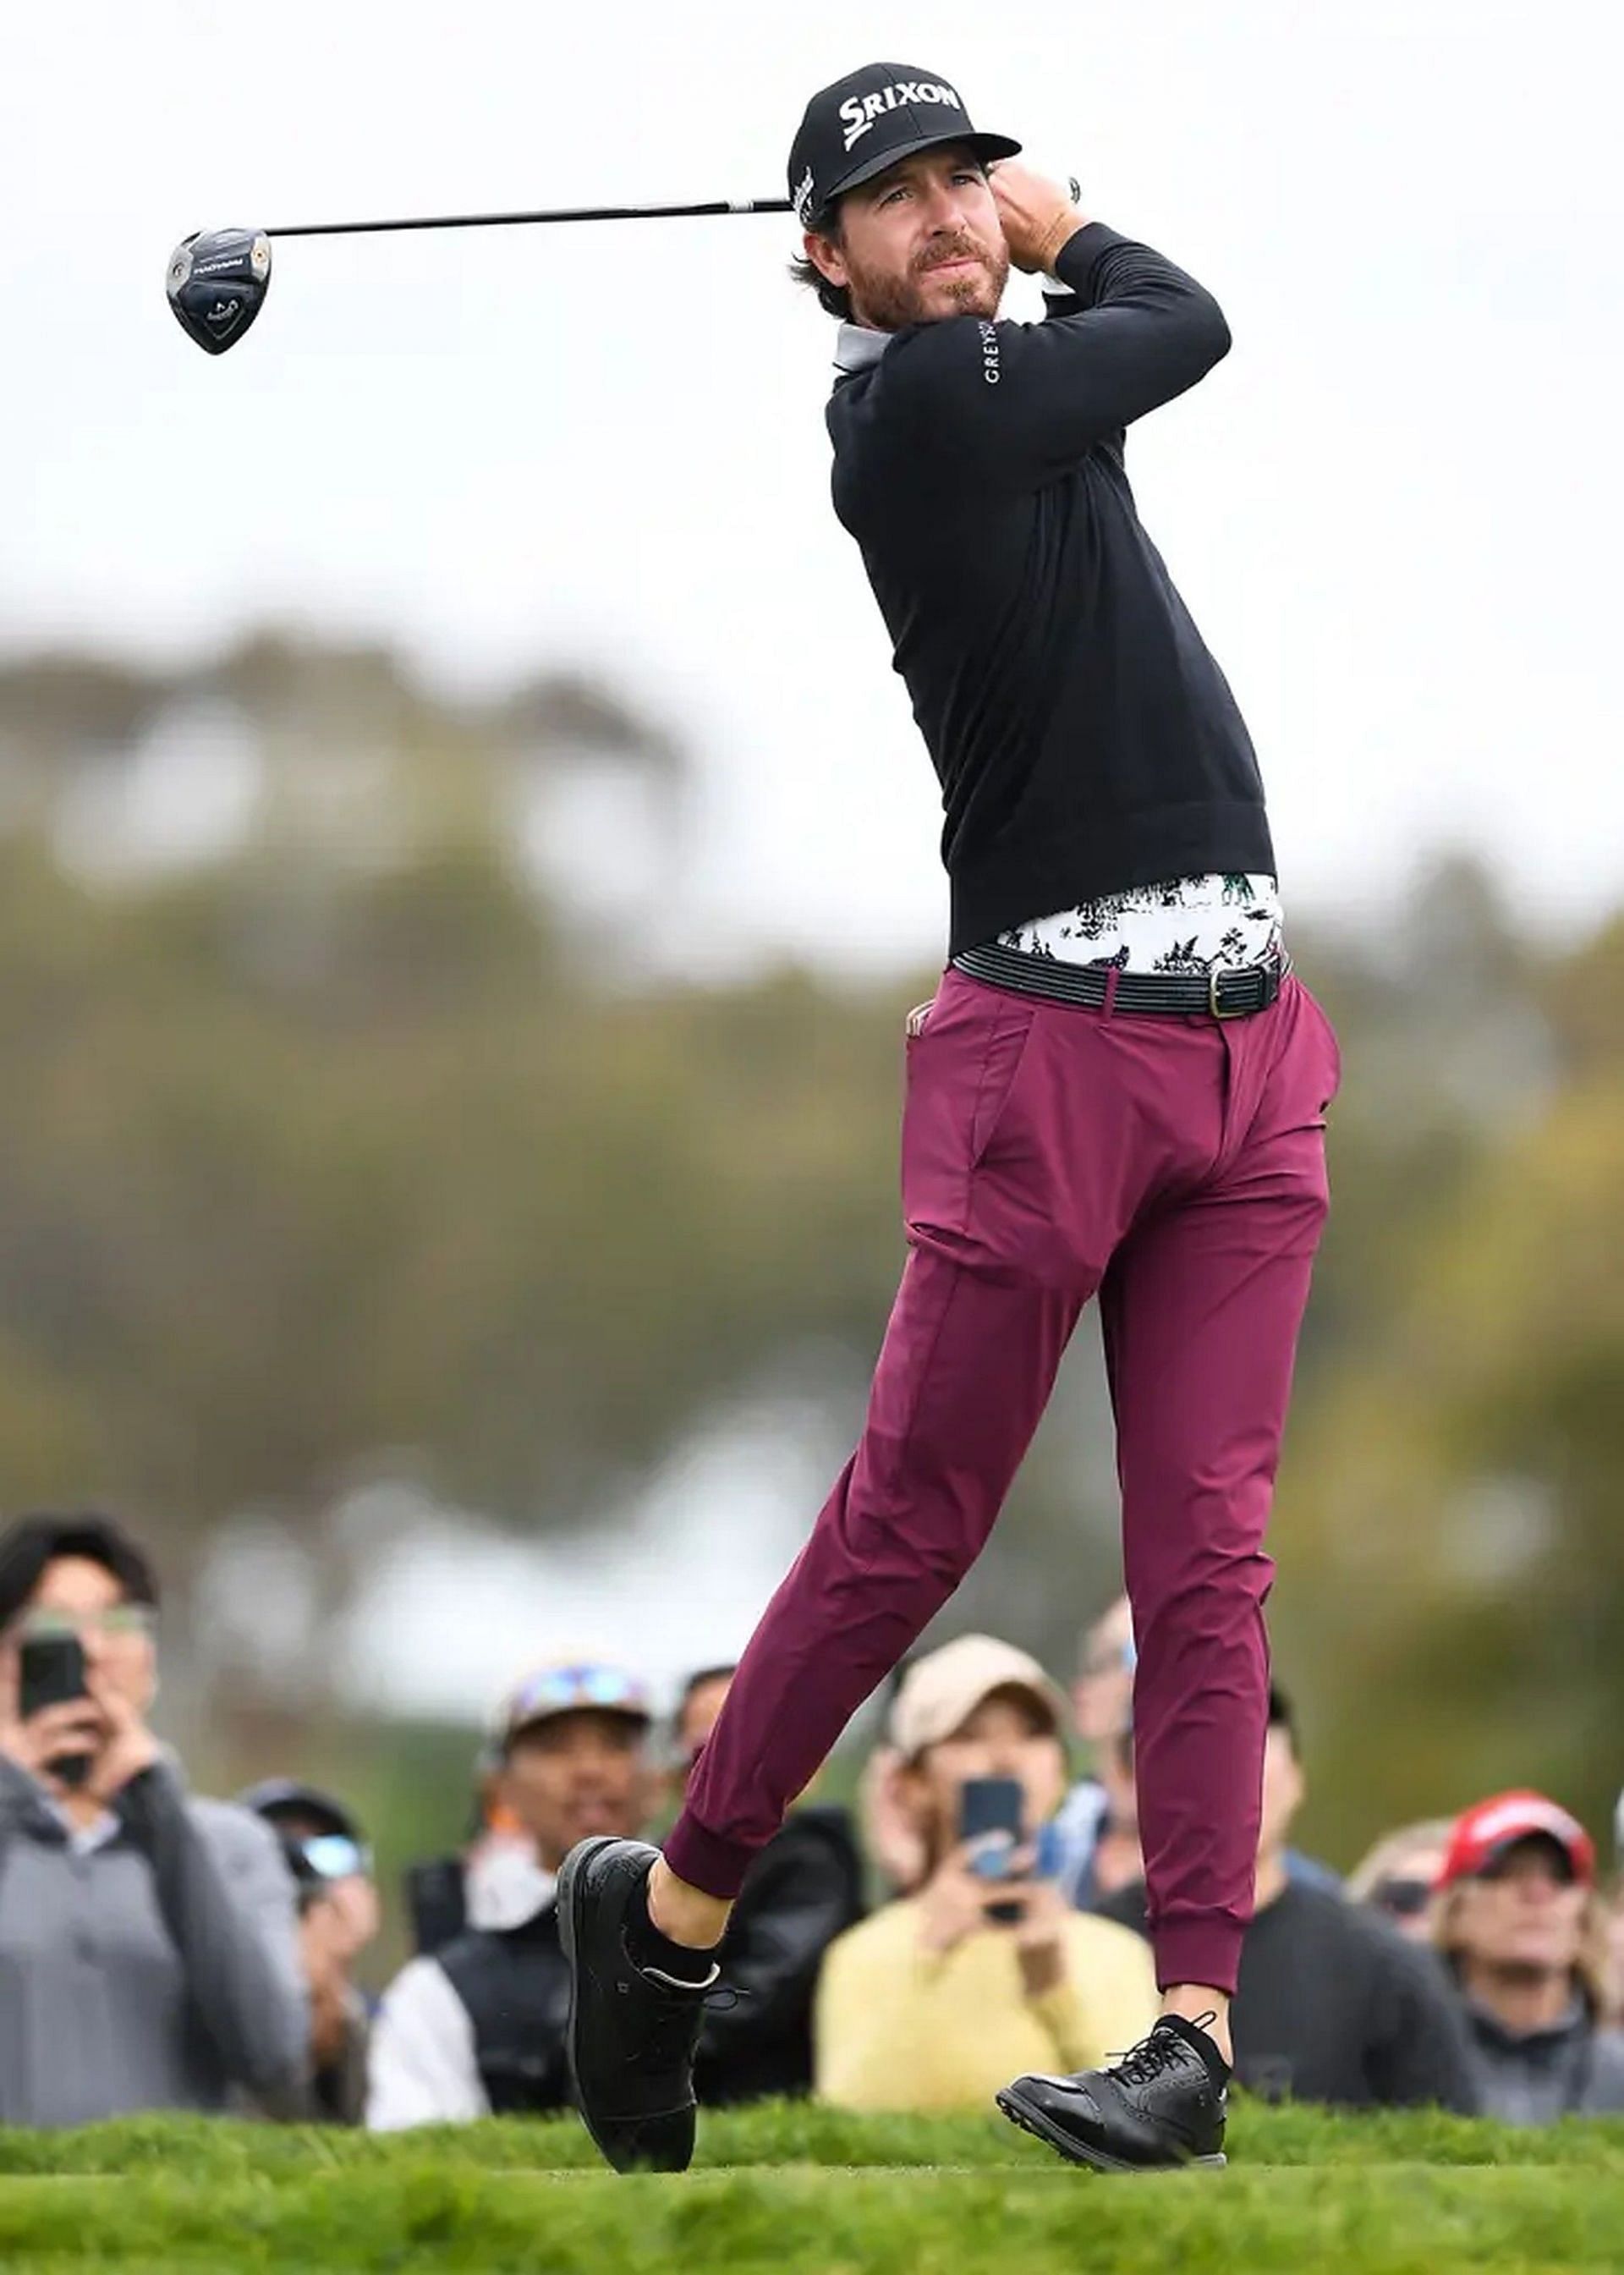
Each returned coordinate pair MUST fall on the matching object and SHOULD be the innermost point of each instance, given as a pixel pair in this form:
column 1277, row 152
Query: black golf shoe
column 1162, row 2104
column 632, row 2029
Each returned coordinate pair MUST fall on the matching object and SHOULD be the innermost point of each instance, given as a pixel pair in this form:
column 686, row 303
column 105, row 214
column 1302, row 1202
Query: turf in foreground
column 809, row 2192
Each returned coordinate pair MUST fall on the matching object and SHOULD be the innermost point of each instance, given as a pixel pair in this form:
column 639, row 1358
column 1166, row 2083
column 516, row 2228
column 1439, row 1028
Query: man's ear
column 826, row 256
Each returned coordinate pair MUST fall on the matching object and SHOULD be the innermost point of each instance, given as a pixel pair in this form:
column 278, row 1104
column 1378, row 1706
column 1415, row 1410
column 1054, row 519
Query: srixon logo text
column 859, row 111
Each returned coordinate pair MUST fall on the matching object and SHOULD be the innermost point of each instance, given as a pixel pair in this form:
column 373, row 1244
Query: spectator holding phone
column 339, row 1915
column 147, row 1956
column 939, row 1998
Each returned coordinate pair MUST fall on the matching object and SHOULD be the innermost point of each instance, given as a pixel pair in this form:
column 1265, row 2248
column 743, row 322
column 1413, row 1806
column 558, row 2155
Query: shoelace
column 668, row 2028
column 1143, row 2063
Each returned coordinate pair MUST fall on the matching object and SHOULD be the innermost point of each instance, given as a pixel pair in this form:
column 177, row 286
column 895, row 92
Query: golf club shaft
column 563, row 213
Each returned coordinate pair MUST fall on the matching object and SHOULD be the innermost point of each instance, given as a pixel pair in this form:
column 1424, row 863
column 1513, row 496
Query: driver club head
column 217, row 279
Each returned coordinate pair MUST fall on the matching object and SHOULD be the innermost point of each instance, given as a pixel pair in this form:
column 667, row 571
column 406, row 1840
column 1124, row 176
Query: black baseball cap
column 333, row 1846
column 866, row 121
column 279, row 1797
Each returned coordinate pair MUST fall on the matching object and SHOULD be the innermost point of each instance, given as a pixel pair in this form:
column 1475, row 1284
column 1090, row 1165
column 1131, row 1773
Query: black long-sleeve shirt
column 154, row 1965
column 1085, row 740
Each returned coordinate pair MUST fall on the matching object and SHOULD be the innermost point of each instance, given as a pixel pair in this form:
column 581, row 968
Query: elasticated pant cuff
column 714, row 1866
column 1198, row 1951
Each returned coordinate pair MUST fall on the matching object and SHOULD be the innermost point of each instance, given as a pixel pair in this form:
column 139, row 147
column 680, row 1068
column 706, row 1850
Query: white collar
column 506, row 1884
column 859, row 347
column 85, row 1840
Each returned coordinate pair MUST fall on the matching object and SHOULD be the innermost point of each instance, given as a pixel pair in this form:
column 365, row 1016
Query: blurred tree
column 360, row 1145
column 349, row 1147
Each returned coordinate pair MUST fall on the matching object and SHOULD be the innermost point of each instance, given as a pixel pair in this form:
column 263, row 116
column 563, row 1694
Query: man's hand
column 352, row 1916
column 957, row 1899
column 1037, row 214
column 75, row 1727
column 129, row 1746
column 325, row 1947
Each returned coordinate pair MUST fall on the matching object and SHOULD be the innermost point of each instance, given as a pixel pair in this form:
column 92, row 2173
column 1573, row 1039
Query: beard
column 889, row 302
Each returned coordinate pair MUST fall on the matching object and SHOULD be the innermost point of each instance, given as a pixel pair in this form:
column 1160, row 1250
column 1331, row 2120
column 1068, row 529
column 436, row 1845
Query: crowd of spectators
column 978, row 1916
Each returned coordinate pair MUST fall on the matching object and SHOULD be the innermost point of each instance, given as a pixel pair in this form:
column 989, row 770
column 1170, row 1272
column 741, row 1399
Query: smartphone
column 51, row 1671
column 989, row 1806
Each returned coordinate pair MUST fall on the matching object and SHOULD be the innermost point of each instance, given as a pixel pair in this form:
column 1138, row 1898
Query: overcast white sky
column 1394, row 509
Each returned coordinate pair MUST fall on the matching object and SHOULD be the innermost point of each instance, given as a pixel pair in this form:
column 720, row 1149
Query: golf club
column 218, row 278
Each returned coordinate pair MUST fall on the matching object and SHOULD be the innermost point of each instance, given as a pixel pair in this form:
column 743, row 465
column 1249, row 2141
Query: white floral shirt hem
column 1190, row 923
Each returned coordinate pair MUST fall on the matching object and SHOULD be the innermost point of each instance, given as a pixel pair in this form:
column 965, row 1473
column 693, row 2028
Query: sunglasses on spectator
column 1402, row 1899
column 559, row 1689
column 335, row 1857
column 112, row 1621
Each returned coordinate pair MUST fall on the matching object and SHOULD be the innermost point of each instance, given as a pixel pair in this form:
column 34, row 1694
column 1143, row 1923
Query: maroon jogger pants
column 1175, row 1167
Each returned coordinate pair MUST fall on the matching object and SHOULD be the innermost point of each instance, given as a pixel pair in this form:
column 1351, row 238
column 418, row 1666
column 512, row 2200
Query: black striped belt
column 1225, row 994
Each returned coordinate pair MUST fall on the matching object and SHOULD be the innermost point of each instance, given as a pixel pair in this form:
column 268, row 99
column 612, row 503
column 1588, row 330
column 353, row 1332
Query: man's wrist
column 19, row 1784
column 1053, row 242
column 127, row 1764
column 1043, row 1968
column 1073, row 265
column 139, row 1797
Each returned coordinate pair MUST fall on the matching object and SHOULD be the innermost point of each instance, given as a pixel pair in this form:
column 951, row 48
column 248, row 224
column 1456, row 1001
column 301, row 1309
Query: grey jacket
column 155, row 1968
column 1574, row 2069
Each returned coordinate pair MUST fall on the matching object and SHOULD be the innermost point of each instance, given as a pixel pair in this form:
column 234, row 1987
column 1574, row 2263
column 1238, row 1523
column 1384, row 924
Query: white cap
column 941, row 1692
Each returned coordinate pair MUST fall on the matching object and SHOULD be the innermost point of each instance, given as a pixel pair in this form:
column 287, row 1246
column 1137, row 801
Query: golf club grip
column 564, row 213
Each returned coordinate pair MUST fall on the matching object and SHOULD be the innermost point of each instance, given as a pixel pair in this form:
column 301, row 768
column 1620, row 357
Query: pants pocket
column 1333, row 1048
column 962, row 1067
column 1006, row 1048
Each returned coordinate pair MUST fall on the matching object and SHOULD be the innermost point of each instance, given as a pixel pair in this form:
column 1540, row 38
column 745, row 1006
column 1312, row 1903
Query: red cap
column 1488, row 1829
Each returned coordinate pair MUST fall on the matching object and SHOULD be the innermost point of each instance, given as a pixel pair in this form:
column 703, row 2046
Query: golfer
column 1119, row 1089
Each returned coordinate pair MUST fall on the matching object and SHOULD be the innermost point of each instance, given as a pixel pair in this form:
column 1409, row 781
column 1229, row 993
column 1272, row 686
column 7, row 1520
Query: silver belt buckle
column 1281, row 969
column 1237, row 1011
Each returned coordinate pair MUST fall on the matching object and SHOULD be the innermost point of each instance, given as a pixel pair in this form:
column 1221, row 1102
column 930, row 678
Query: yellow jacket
column 898, row 2027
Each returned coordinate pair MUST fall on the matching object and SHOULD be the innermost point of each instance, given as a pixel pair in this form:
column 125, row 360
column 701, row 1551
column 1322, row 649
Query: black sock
column 649, row 1948
column 1205, row 2045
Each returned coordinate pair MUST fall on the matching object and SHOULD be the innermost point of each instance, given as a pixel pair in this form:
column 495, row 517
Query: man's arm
column 1019, row 403
column 230, row 1912
column 1058, row 302
column 19, row 1792
column 420, row 2068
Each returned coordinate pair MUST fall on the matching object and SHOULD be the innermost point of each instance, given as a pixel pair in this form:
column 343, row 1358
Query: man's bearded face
column 922, row 242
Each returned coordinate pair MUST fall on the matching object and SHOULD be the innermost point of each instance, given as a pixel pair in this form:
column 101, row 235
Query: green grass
column 801, row 2191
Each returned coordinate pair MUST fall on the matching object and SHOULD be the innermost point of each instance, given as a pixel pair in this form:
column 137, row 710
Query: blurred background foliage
column 351, row 1133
